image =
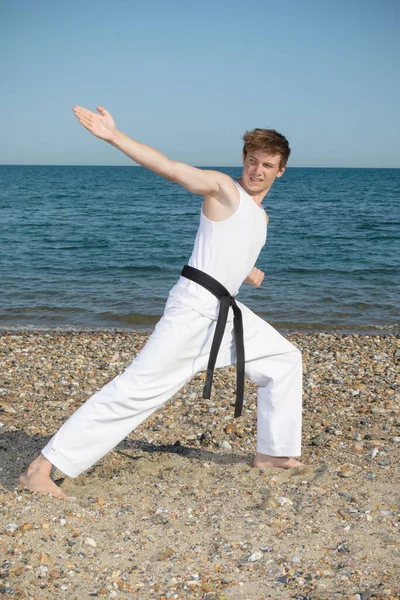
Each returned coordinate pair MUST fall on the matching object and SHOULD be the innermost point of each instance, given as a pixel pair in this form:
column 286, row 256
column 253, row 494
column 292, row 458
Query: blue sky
column 189, row 78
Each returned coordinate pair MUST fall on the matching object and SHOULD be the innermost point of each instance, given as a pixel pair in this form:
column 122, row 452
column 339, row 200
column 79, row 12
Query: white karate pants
column 177, row 349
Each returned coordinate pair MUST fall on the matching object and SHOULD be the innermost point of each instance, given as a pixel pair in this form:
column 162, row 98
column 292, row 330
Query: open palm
column 101, row 125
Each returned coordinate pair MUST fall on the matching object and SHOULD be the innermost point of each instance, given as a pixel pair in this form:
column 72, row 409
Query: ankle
column 40, row 464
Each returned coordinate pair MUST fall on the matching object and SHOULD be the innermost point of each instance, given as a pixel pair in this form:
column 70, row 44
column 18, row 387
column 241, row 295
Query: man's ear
column 281, row 172
column 243, row 157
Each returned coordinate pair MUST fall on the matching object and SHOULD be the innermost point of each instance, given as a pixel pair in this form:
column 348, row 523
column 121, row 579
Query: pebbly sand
column 176, row 511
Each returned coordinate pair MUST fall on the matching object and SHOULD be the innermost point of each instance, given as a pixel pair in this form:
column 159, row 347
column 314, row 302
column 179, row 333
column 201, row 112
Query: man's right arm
column 213, row 185
column 196, row 181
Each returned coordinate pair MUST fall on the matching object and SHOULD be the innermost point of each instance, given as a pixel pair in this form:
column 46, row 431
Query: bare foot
column 263, row 461
column 37, row 478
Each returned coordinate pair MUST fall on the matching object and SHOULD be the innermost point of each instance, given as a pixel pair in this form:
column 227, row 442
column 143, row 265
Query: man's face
column 260, row 170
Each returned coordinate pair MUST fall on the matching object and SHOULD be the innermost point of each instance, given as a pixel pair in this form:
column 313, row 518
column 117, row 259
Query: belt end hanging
column 208, row 384
column 238, row 408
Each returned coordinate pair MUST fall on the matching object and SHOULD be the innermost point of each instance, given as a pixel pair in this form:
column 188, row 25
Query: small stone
column 269, row 502
column 396, row 439
column 255, row 556
column 230, row 428
column 165, row 554
column 365, row 595
column 225, row 445
column 55, row 573
column 44, row 558
column 42, row 572
column 282, row 501
column 8, row 409
column 320, row 440
column 160, row 510
column 90, row 542
column 345, row 472
column 372, row 453
column 357, row 447
column 343, row 548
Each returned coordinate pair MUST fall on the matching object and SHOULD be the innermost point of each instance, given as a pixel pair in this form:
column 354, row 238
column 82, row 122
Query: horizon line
column 196, row 166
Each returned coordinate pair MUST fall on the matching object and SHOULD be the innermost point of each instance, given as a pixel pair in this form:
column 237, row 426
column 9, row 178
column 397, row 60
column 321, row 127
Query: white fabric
column 177, row 349
column 227, row 250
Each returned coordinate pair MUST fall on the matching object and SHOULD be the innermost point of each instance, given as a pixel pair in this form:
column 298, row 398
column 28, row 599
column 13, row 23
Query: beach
column 176, row 510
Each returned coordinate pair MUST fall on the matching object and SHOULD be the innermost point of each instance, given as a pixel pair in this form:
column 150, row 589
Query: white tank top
column 227, row 250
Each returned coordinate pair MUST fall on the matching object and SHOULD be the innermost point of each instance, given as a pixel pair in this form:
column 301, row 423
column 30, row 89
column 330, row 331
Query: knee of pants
column 295, row 358
column 297, row 355
column 266, row 370
column 145, row 385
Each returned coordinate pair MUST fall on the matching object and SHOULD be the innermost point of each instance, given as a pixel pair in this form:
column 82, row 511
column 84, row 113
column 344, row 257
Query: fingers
column 86, row 123
column 258, row 281
column 82, row 112
column 85, row 117
column 102, row 111
column 255, row 278
column 258, row 277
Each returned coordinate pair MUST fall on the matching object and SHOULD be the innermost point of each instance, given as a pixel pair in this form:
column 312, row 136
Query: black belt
column 226, row 300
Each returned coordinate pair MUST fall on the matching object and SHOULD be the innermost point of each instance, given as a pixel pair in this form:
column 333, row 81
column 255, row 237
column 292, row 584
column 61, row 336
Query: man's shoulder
column 222, row 205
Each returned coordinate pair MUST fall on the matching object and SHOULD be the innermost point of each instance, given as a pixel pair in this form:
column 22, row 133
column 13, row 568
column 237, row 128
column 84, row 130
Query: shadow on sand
column 17, row 450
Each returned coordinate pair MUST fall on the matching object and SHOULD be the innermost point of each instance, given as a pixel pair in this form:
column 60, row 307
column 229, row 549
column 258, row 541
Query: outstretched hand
column 101, row 125
column 255, row 278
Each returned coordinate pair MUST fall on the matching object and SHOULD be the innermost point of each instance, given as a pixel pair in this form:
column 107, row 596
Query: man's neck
column 256, row 196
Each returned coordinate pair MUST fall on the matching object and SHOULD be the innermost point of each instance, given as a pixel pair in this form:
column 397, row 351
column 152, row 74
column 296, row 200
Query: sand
column 176, row 510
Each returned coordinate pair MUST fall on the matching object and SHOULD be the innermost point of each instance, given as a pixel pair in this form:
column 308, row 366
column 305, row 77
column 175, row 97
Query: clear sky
column 190, row 77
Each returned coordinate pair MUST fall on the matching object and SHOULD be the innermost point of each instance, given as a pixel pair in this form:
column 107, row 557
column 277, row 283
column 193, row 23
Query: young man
column 231, row 234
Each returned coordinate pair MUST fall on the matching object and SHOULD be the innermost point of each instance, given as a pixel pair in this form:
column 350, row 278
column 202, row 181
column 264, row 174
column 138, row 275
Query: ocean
column 100, row 247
